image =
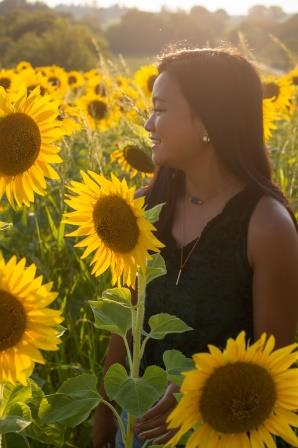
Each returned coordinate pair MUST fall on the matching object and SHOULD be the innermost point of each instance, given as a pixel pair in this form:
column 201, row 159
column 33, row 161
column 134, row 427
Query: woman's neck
column 207, row 183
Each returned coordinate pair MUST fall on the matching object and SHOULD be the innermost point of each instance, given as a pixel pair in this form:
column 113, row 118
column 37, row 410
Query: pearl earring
column 206, row 139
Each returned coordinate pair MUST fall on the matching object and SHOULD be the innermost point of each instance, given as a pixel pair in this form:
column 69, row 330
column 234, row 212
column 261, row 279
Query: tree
column 43, row 37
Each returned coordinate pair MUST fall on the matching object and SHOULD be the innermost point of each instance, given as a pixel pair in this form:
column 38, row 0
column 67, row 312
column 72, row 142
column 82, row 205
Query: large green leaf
column 156, row 268
column 164, row 323
column 152, row 215
column 78, row 384
column 73, row 402
column 20, row 405
column 12, row 395
column 51, row 434
column 175, row 363
column 13, row 423
column 136, row 395
column 119, row 295
column 111, row 316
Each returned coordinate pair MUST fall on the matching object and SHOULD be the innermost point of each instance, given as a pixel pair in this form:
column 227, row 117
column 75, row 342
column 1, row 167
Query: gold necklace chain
column 193, row 247
column 181, row 251
column 186, row 259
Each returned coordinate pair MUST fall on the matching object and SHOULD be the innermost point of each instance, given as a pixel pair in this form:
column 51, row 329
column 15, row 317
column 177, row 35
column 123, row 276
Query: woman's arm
column 273, row 253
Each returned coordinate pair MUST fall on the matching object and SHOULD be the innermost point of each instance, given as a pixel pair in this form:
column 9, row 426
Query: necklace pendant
column 178, row 277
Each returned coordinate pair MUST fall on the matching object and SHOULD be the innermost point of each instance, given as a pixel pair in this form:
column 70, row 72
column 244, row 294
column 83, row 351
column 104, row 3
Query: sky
column 231, row 6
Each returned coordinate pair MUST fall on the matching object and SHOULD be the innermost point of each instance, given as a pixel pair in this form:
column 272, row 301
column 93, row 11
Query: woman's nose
column 149, row 125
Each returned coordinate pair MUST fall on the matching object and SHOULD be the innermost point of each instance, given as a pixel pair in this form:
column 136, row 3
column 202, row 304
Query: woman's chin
column 157, row 158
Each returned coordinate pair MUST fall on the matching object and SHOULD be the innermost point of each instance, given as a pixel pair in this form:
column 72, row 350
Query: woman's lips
column 156, row 142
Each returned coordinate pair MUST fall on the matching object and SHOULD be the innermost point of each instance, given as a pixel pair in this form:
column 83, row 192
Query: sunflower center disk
column 138, row 159
column 54, row 81
column 100, row 89
column 72, row 80
column 33, row 86
column 237, row 397
column 20, row 142
column 116, row 224
column 5, row 83
column 12, row 320
column 270, row 90
column 97, row 109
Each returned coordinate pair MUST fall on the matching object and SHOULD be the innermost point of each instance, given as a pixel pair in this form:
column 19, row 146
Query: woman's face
column 178, row 133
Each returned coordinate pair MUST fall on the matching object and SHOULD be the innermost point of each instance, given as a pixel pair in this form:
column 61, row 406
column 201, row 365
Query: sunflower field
column 73, row 151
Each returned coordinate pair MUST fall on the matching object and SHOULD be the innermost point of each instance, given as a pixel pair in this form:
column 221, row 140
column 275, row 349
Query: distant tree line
column 34, row 32
column 142, row 32
column 72, row 36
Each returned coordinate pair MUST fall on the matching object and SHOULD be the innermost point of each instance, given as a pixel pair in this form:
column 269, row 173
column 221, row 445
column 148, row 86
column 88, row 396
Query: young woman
column 231, row 239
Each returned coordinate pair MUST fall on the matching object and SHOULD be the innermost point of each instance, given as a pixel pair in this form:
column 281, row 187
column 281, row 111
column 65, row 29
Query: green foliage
column 156, row 268
column 175, row 363
column 43, row 37
column 164, row 323
column 201, row 27
column 136, row 395
column 72, row 403
column 152, row 215
column 19, row 413
column 113, row 315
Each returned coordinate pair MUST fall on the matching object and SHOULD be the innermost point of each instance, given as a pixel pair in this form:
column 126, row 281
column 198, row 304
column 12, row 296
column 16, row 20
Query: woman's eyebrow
column 158, row 98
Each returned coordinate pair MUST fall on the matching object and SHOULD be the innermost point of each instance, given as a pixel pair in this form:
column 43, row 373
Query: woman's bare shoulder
column 270, row 225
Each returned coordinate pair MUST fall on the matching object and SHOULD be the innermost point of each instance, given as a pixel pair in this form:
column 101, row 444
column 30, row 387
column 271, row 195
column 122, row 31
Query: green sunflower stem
column 137, row 327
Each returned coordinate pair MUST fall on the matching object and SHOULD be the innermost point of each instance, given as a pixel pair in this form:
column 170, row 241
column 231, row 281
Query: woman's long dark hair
column 224, row 90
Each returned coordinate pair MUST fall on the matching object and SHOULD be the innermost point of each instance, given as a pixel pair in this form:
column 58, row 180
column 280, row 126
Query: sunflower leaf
column 136, row 395
column 79, row 383
column 70, row 411
column 119, row 295
column 13, row 395
column 176, row 362
column 156, row 268
column 73, row 402
column 152, row 215
column 111, row 316
column 51, row 435
column 13, row 423
column 164, row 323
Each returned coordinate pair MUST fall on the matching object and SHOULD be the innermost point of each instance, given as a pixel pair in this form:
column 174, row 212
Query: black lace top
column 214, row 294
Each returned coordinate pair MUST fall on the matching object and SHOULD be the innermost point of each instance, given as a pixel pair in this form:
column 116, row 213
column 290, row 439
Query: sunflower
column 293, row 75
column 270, row 118
column 32, row 79
column 145, row 77
column 75, row 79
column 100, row 84
column 114, row 225
column 68, row 116
column 134, row 160
column 56, row 77
column 97, row 112
column 239, row 397
column 8, row 79
column 26, row 325
column 28, row 128
column 131, row 104
column 23, row 65
column 280, row 90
